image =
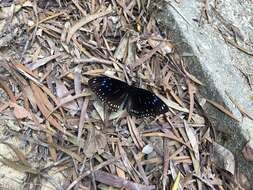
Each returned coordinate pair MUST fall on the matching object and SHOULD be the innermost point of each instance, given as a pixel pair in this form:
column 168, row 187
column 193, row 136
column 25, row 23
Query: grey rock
column 218, row 64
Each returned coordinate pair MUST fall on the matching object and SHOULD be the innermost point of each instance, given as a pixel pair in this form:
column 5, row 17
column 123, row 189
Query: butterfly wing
column 111, row 91
column 144, row 103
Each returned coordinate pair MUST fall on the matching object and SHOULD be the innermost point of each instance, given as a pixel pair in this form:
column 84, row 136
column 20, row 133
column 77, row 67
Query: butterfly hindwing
column 145, row 103
column 111, row 91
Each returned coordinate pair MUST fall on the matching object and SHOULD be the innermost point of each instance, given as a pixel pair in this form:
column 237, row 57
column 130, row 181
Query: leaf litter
column 56, row 47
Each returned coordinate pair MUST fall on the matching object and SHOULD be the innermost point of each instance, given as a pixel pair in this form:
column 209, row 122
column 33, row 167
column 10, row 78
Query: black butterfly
column 139, row 102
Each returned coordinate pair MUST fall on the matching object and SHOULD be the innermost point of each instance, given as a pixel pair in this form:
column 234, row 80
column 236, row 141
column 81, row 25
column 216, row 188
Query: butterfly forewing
column 111, row 91
column 144, row 103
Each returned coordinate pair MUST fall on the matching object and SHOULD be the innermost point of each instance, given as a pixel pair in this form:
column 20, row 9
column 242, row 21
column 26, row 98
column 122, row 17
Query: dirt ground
column 59, row 132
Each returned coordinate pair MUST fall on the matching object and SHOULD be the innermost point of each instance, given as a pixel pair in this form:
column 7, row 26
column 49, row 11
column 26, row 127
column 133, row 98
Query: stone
column 222, row 67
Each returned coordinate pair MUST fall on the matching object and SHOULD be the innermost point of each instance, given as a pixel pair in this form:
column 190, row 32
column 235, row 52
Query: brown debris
column 55, row 48
column 118, row 182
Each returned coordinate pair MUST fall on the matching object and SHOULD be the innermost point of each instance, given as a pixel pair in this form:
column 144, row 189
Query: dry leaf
column 193, row 140
column 135, row 133
column 176, row 182
column 192, row 91
column 121, row 50
column 172, row 104
column 20, row 112
column 87, row 19
column 64, row 96
column 224, row 158
column 42, row 62
column 95, row 143
column 221, row 108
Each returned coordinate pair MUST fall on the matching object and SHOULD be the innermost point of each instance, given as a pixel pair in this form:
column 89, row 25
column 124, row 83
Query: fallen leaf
column 64, row 96
column 87, row 19
column 176, row 182
column 224, row 158
column 42, row 62
column 193, row 139
column 20, row 112
column 223, row 109
column 95, row 142
column 172, row 104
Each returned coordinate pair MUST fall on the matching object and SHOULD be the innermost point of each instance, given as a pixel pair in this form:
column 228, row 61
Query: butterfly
column 115, row 93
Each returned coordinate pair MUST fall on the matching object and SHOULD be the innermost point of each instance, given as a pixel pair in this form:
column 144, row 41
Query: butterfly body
column 137, row 101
